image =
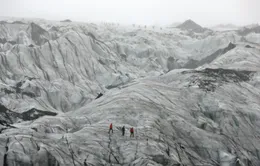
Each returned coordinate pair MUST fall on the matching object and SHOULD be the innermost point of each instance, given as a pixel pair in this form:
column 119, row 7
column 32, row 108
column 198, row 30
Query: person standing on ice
column 123, row 131
column 85, row 162
column 131, row 132
column 5, row 157
column 110, row 128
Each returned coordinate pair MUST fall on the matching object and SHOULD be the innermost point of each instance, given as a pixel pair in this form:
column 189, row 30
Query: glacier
column 191, row 94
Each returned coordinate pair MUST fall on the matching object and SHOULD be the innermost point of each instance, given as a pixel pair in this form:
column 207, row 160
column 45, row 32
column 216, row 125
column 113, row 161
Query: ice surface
column 51, row 73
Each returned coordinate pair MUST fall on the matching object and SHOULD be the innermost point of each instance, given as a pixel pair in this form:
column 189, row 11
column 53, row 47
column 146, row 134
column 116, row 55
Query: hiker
column 131, row 132
column 110, row 128
column 123, row 131
column 99, row 95
column 168, row 151
column 5, row 157
column 85, row 162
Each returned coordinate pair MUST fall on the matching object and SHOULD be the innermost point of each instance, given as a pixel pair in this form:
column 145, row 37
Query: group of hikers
column 122, row 129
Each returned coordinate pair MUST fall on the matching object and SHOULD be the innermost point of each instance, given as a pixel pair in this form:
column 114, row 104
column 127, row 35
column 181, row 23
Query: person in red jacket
column 131, row 132
column 110, row 128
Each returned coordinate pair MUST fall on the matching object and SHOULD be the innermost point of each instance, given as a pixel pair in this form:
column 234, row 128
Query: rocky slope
column 192, row 95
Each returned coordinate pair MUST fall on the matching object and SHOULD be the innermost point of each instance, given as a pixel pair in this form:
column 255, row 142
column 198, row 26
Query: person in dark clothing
column 99, row 95
column 5, row 160
column 168, row 151
column 85, row 162
column 131, row 132
column 5, row 156
column 123, row 131
column 110, row 128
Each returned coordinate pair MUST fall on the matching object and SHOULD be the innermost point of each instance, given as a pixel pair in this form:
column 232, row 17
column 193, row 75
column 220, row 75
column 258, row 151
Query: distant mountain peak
column 191, row 26
column 190, row 22
column 67, row 20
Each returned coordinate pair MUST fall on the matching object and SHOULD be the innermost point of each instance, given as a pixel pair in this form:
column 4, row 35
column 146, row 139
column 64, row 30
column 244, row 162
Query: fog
column 204, row 12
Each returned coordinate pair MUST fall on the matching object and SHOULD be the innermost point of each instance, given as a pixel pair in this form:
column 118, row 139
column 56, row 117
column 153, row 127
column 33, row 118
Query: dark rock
column 18, row 86
column 113, row 86
column 101, row 62
column 8, row 117
column 31, row 45
column 38, row 34
column 30, row 78
column 192, row 64
column 29, row 94
column 35, row 129
column 228, row 74
column 213, row 78
column 7, row 91
column 160, row 159
column 99, row 95
column 228, row 48
column 34, row 113
column 248, row 46
column 32, row 92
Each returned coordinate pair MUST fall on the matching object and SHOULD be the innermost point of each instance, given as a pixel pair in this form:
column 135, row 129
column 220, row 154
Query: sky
column 146, row 12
